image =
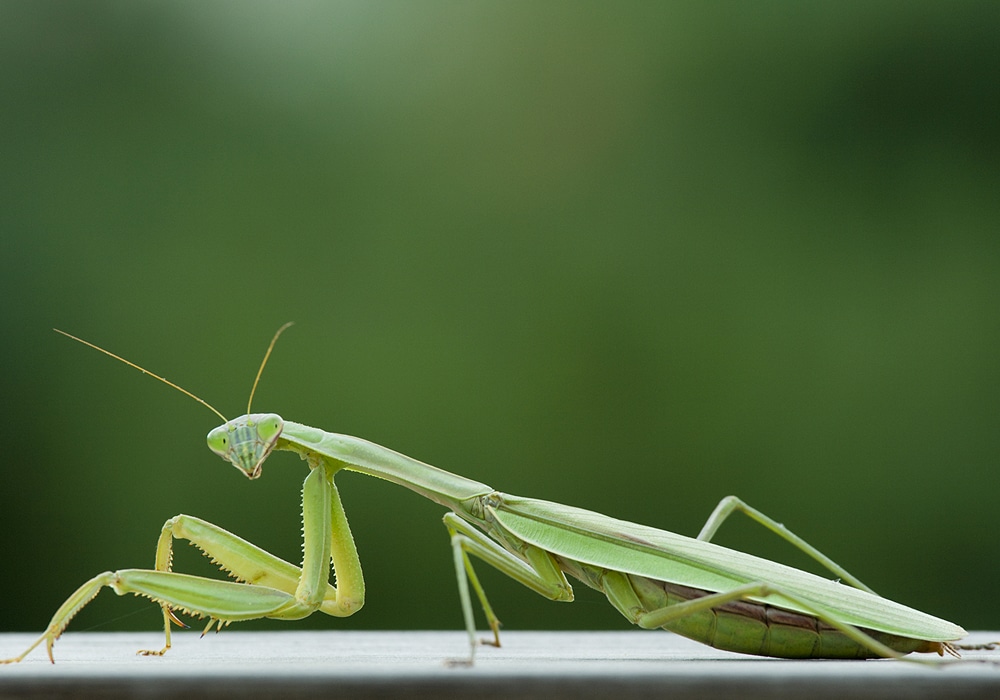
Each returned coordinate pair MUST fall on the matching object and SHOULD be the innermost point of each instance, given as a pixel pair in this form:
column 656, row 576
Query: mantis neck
column 357, row 455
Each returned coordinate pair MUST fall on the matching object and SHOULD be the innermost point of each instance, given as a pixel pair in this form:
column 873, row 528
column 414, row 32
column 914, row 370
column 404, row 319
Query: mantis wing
column 601, row 541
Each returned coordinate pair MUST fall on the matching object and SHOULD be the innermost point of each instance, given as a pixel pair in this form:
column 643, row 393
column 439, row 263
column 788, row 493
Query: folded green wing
column 598, row 540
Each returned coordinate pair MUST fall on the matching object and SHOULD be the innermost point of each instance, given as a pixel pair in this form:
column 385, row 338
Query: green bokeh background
column 628, row 256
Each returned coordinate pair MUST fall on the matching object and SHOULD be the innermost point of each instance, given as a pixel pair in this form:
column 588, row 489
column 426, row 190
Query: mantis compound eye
column 268, row 427
column 218, row 441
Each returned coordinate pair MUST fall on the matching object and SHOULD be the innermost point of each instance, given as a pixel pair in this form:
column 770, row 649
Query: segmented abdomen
column 761, row 629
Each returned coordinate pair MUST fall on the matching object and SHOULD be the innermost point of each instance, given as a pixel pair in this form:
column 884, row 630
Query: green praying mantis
column 656, row 579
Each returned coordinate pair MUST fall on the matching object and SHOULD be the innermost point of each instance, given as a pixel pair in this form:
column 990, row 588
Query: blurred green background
column 627, row 256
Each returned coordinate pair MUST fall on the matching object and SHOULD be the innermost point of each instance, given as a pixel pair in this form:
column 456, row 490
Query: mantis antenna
column 166, row 381
column 263, row 362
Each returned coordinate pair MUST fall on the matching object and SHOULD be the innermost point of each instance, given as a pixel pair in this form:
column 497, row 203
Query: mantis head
column 247, row 441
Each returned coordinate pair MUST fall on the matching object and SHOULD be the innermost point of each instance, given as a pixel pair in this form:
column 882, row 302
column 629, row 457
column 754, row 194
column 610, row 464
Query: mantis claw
column 176, row 620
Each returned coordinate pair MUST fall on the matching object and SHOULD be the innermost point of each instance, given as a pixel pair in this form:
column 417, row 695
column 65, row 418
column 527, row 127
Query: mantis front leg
column 327, row 537
column 271, row 587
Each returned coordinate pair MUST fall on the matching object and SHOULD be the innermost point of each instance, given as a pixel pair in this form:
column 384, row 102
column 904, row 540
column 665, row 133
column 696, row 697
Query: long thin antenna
column 146, row 371
column 264, row 362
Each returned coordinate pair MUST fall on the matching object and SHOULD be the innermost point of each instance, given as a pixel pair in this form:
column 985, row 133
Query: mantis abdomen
column 750, row 627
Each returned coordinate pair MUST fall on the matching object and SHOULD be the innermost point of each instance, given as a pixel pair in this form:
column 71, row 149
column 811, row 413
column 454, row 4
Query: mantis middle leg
column 538, row 571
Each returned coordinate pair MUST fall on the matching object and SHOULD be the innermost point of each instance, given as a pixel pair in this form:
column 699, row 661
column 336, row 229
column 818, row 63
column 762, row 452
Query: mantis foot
column 152, row 652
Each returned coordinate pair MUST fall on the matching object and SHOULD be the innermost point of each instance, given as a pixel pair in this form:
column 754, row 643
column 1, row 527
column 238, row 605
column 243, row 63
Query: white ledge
column 549, row 665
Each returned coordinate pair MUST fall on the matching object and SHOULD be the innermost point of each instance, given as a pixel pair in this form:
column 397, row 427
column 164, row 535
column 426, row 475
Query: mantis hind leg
column 731, row 504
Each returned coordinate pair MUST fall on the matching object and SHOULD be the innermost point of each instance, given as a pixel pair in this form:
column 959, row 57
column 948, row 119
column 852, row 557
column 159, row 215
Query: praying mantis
column 657, row 579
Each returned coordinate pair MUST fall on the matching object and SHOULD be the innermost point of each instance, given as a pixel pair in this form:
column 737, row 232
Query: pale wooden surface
column 549, row 665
